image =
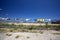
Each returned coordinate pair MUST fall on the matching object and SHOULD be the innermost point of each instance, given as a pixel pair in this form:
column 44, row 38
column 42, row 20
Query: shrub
column 56, row 33
column 11, row 30
column 33, row 31
column 8, row 34
column 24, row 30
column 2, row 30
column 28, row 37
column 17, row 36
column 41, row 32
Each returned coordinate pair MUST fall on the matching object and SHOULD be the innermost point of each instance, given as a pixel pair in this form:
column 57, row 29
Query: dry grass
column 17, row 36
column 8, row 34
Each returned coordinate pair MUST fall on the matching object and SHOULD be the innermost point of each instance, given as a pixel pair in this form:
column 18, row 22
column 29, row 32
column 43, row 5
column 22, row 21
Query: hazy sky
column 30, row 8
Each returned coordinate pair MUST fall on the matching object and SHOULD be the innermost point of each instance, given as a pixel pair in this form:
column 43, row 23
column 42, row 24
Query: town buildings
column 25, row 20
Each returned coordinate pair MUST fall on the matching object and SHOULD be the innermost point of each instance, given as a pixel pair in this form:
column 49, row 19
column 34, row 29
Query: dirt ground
column 46, row 35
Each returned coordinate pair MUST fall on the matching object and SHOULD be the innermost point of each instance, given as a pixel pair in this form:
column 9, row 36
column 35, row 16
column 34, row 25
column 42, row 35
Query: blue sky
column 30, row 8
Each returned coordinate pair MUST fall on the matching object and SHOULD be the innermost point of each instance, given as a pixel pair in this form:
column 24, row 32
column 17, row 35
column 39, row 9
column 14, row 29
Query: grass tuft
column 17, row 36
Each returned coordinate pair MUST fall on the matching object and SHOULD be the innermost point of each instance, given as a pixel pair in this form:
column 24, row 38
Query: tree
column 46, row 23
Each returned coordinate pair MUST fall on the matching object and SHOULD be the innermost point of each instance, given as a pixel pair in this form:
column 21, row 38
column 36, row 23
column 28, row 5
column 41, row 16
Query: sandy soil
column 30, row 36
column 36, row 24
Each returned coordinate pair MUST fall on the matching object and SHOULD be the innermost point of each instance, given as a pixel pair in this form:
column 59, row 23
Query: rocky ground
column 46, row 35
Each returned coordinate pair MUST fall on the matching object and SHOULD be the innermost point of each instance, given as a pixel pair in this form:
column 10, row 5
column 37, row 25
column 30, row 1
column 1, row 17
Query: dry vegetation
column 27, row 28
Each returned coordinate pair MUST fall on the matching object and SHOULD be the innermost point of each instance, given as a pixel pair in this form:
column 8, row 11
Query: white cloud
column 49, row 19
column 4, row 18
column 27, row 19
column 1, row 9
